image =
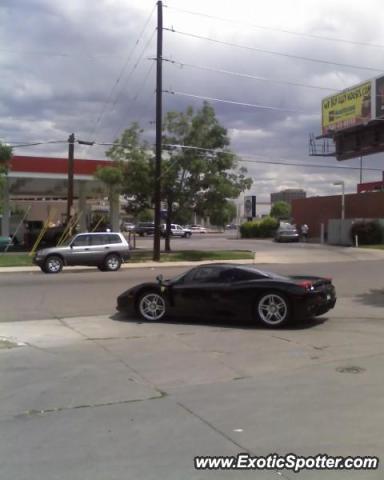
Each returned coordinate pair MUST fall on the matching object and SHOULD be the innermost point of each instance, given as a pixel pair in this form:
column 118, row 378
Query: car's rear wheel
column 112, row 263
column 53, row 264
column 151, row 306
column 273, row 309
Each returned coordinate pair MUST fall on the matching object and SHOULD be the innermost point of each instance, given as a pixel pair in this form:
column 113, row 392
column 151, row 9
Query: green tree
column 281, row 210
column 134, row 159
column 199, row 179
column 5, row 158
column 204, row 176
column 223, row 215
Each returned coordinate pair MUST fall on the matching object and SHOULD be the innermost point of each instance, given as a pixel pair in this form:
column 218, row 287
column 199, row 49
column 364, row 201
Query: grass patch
column 15, row 260
column 194, row 255
column 24, row 260
column 379, row 246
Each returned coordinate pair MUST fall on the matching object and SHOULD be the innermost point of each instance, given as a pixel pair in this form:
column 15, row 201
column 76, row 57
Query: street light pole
column 342, row 184
column 342, row 202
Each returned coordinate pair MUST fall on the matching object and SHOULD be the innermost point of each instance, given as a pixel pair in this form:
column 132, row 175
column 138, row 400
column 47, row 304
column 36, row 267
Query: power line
column 271, row 52
column 32, row 144
column 281, row 30
column 232, row 102
column 140, row 57
column 121, row 73
column 138, row 92
column 268, row 162
column 240, row 158
column 93, row 56
column 247, row 75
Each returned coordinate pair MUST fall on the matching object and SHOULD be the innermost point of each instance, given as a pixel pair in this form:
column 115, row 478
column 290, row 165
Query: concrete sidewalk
column 112, row 398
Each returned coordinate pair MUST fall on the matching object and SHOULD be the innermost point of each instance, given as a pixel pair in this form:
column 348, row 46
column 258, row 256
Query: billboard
column 349, row 108
column 250, row 206
column 379, row 96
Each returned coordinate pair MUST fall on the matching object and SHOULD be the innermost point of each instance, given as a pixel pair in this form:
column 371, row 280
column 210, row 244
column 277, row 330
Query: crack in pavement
column 139, row 375
column 45, row 411
column 228, row 437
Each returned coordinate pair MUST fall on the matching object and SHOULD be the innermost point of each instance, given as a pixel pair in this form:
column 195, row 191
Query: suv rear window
column 105, row 239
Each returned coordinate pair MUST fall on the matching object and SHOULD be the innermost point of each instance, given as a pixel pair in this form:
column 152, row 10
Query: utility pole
column 71, row 150
column 159, row 88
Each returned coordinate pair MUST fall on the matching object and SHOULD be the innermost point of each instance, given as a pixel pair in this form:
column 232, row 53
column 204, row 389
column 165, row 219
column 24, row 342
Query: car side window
column 206, row 275
column 98, row 239
column 238, row 275
column 81, row 241
column 113, row 239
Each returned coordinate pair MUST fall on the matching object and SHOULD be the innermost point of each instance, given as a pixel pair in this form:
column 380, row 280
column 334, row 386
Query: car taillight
column 306, row 284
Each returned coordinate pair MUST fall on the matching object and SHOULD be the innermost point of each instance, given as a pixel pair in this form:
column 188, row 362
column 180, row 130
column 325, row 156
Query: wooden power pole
column 159, row 88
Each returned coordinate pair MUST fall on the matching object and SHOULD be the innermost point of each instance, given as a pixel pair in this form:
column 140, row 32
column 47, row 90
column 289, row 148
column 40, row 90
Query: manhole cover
column 350, row 369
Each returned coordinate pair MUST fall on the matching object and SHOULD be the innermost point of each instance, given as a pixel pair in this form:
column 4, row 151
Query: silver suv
column 105, row 250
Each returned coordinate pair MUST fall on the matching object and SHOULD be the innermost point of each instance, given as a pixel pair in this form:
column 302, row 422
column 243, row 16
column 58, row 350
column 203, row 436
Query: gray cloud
column 60, row 61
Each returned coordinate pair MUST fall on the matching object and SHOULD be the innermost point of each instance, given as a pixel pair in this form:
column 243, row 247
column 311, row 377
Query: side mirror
column 160, row 278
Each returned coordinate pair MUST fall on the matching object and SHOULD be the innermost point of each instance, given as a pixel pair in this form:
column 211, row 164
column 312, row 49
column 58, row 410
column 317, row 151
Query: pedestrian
column 304, row 231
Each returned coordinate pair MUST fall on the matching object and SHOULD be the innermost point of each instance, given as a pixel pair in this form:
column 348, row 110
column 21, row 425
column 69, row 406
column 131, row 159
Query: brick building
column 317, row 210
column 287, row 195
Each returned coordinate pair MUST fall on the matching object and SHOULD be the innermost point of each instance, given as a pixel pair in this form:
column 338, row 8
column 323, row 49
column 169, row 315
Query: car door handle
column 106, row 248
column 86, row 248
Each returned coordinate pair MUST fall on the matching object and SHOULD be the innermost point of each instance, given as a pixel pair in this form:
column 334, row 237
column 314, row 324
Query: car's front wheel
column 187, row 235
column 53, row 264
column 151, row 306
column 273, row 309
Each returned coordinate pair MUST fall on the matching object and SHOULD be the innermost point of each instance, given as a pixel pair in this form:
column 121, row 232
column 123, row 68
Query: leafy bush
column 263, row 228
column 369, row 232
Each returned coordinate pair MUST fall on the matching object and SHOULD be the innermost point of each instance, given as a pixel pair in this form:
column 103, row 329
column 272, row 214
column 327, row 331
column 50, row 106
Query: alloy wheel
column 273, row 310
column 53, row 265
column 152, row 306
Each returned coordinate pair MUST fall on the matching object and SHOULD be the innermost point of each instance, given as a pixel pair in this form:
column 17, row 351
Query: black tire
column 53, row 264
column 112, row 263
column 187, row 235
column 151, row 306
column 273, row 309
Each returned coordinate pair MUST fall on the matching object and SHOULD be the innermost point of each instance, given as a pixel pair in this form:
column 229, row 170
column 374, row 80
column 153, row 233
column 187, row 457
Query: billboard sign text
column 349, row 108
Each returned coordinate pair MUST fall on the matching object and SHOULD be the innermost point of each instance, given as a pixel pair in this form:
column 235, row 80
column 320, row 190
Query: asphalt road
column 87, row 394
column 35, row 296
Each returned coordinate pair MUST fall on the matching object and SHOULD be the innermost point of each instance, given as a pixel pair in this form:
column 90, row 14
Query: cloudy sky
column 85, row 66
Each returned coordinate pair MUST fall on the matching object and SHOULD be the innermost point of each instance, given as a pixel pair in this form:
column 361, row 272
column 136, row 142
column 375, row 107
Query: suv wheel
column 53, row 264
column 112, row 262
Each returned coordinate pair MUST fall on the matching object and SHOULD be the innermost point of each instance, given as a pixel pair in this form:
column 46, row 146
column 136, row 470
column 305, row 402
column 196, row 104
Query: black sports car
column 228, row 290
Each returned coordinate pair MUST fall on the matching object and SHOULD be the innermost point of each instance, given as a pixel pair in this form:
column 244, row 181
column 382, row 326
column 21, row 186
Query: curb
column 131, row 265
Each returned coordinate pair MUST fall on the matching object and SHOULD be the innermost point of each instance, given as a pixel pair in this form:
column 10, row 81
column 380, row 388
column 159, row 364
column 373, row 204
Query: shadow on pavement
column 223, row 323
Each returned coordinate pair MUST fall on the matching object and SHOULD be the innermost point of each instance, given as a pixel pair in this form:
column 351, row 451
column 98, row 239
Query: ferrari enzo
column 228, row 290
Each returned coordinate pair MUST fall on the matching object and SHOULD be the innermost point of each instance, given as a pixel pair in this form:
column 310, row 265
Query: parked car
column 198, row 229
column 287, row 233
column 177, row 231
column 145, row 228
column 105, row 250
column 127, row 226
column 232, row 291
column 5, row 242
column 231, row 226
